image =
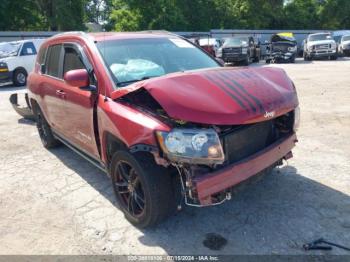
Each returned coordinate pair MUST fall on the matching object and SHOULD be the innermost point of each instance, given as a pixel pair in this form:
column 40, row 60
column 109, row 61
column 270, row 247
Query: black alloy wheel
column 44, row 130
column 144, row 190
column 128, row 187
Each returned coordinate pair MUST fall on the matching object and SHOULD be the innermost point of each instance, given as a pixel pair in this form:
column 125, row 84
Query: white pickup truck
column 320, row 45
column 17, row 60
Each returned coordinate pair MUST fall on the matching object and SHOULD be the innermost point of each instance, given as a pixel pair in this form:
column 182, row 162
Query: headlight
column 244, row 50
column 296, row 119
column 3, row 67
column 219, row 52
column 292, row 48
column 197, row 146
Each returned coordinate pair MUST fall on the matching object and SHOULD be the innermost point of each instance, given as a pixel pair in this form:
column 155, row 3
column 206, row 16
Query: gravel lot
column 54, row 202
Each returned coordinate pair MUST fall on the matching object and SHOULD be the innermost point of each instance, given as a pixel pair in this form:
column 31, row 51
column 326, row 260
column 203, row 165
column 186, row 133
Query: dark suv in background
column 239, row 49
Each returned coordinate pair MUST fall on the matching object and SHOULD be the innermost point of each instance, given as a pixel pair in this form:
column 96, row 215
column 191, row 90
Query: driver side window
column 73, row 60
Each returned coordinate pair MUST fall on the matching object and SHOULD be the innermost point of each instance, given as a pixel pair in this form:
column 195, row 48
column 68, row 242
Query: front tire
column 20, row 77
column 307, row 57
column 256, row 59
column 44, row 130
column 143, row 189
column 246, row 61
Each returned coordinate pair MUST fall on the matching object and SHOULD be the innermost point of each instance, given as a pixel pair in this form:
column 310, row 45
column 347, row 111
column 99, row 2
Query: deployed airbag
column 136, row 69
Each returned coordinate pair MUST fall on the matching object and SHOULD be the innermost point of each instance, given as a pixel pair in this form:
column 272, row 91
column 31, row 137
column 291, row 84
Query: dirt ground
column 54, row 202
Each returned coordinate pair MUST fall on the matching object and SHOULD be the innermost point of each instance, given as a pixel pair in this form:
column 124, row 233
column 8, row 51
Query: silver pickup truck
column 320, row 45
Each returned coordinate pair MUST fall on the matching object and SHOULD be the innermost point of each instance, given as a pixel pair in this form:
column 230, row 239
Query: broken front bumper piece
column 26, row 111
column 209, row 184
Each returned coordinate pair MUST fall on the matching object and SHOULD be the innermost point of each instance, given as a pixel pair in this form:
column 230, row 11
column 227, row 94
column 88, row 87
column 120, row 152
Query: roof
column 103, row 36
column 321, row 33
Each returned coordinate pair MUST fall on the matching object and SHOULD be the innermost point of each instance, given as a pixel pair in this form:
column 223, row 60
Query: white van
column 17, row 60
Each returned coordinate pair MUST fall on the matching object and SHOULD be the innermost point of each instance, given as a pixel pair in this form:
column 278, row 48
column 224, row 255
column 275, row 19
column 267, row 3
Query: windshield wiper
column 124, row 83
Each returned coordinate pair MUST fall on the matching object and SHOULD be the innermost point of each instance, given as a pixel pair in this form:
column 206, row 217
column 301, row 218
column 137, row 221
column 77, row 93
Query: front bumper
column 209, row 184
column 234, row 57
column 322, row 53
column 282, row 57
column 6, row 76
column 24, row 111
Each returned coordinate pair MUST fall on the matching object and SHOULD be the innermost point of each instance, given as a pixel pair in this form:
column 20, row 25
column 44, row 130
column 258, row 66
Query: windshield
column 320, row 37
column 346, row 38
column 9, row 49
column 132, row 60
column 236, row 41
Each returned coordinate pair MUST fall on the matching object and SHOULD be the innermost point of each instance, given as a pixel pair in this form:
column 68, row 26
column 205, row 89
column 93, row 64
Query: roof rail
column 157, row 32
column 70, row 33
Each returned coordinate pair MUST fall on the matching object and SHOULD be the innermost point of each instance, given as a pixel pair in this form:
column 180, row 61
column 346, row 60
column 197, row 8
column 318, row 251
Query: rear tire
column 143, row 189
column 292, row 60
column 334, row 57
column 44, row 130
column 19, row 77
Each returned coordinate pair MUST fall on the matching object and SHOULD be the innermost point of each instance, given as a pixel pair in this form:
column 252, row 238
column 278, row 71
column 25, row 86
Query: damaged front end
column 24, row 111
column 283, row 48
column 246, row 150
column 211, row 159
column 225, row 126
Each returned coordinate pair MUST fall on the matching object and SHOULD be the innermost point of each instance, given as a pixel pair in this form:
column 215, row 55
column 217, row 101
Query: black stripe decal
column 211, row 79
column 245, row 74
column 262, row 110
column 237, row 91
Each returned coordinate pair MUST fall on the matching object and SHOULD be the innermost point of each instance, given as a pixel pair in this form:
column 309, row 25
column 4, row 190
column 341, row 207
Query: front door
column 78, row 121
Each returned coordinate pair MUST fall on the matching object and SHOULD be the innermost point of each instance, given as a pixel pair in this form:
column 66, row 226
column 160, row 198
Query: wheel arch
column 112, row 144
column 20, row 68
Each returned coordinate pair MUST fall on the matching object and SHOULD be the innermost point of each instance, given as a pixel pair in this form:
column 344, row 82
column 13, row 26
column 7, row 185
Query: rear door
column 79, row 104
column 52, row 86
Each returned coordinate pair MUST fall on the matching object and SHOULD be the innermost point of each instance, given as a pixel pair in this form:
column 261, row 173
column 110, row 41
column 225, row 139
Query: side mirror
column 77, row 77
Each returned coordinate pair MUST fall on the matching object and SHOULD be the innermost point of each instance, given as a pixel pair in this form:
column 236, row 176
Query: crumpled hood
column 222, row 96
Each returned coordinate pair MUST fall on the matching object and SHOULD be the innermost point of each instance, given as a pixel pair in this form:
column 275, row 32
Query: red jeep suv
column 167, row 122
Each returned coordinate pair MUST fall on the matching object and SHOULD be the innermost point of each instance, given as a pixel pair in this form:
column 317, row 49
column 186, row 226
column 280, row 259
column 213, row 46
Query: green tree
column 18, row 15
column 62, row 15
column 302, row 14
column 335, row 14
column 98, row 11
column 125, row 20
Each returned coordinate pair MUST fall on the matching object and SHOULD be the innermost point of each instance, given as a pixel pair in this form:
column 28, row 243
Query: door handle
column 61, row 93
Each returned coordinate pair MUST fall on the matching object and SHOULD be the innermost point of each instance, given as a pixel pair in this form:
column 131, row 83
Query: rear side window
column 72, row 60
column 53, row 61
